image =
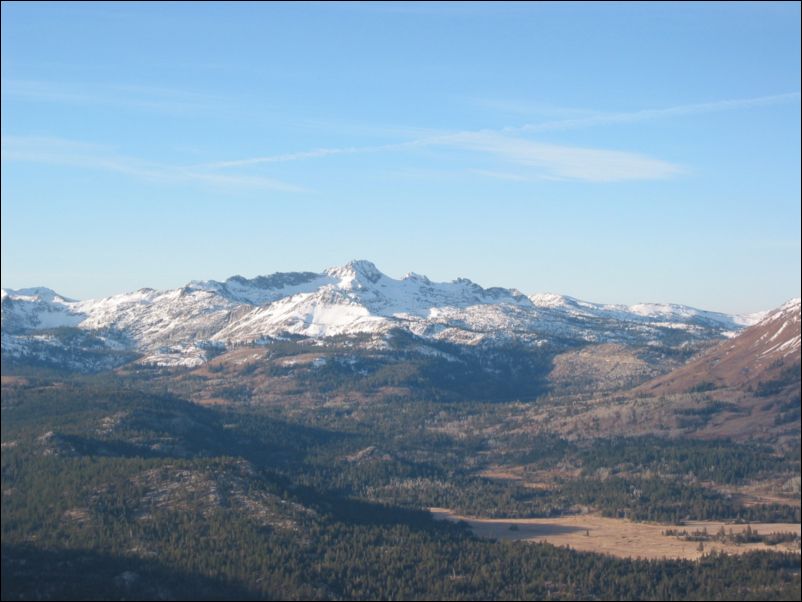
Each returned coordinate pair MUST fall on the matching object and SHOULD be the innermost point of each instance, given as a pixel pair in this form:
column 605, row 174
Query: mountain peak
column 792, row 305
column 417, row 278
column 788, row 311
column 36, row 293
column 551, row 300
column 359, row 270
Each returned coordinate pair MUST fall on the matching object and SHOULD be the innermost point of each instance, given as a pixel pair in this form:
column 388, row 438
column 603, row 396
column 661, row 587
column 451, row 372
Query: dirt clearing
column 620, row 537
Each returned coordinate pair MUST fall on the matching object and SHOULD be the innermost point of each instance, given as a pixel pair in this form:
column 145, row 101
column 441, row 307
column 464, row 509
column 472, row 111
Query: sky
column 614, row 152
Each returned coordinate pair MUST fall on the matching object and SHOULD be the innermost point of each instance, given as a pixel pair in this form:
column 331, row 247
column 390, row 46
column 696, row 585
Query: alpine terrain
column 349, row 435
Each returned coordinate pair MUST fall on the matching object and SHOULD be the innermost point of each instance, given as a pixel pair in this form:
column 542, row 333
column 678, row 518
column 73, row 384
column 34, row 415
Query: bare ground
column 617, row 537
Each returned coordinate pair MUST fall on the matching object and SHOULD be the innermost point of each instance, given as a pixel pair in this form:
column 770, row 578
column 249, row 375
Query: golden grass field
column 617, row 537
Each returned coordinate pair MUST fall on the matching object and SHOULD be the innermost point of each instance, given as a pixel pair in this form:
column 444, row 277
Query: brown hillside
column 767, row 352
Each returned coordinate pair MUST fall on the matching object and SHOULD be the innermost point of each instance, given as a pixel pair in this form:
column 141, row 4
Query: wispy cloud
column 283, row 158
column 551, row 160
column 59, row 151
column 530, row 108
column 509, row 145
column 149, row 98
column 569, row 162
column 599, row 119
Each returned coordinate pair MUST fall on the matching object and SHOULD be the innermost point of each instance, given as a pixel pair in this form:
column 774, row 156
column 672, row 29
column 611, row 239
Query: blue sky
column 613, row 152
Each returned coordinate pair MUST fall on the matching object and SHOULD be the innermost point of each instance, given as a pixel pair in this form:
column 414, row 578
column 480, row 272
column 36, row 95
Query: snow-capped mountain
column 180, row 326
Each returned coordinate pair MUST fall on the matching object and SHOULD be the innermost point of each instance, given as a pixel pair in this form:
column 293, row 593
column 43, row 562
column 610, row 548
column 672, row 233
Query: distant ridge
column 183, row 326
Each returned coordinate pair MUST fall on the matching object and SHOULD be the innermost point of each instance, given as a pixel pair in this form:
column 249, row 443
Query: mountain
column 189, row 325
column 763, row 356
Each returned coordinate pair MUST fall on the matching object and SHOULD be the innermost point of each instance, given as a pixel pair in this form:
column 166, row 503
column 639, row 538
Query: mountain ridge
column 179, row 326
